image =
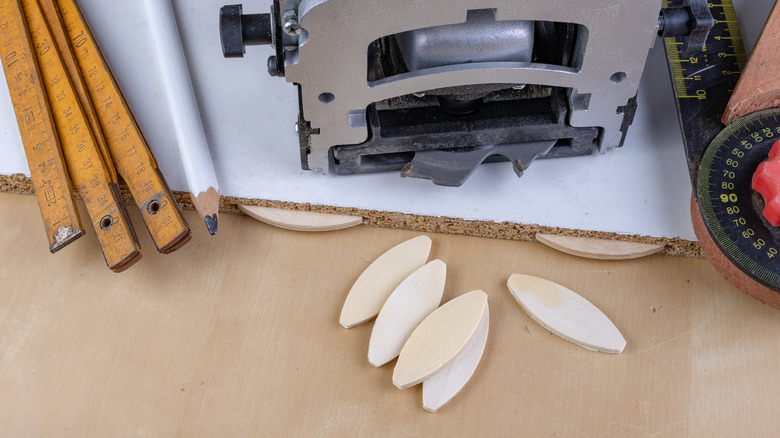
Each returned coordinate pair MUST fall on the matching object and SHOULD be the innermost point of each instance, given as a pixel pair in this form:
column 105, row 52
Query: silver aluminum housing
column 480, row 39
column 328, row 59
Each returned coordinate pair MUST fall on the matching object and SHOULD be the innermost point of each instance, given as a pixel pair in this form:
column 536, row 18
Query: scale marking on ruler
column 703, row 80
column 722, row 159
column 84, row 162
column 134, row 160
column 68, row 59
column 36, row 126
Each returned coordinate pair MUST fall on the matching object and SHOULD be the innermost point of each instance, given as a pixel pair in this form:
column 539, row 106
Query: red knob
column 766, row 181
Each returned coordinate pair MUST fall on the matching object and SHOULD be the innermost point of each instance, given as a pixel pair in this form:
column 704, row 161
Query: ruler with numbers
column 86, row 166
column 134, row 160
column 704, row 79
column 89, row 137
column 36, row 126
column 724, row 150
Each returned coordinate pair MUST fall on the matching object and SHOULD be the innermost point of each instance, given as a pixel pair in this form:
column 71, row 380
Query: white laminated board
column 249, row 117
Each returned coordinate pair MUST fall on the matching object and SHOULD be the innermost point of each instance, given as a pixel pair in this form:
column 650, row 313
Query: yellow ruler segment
column 47, row 165
column 66, row 52
column 84, row 161
column 133, row 158
column 737, row 45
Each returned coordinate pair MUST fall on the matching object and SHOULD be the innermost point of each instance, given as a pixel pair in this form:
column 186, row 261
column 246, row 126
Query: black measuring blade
column 704, row 79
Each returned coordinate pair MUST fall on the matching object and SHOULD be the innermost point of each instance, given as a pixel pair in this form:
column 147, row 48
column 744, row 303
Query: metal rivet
column 106, row 222
column 153, row 207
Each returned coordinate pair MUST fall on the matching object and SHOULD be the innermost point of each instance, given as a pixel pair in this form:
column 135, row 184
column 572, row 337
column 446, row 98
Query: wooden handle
column 759, row 86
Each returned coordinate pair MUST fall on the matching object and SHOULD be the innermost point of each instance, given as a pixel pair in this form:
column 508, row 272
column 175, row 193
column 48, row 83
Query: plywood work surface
column 238, row 335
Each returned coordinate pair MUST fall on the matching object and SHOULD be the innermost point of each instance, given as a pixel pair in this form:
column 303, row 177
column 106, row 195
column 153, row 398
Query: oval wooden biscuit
column 566, row 314
column 414, row 299
column 441, row 387
column 380, row 278
column 300, row 220
column 600, row 249
column 436, row 342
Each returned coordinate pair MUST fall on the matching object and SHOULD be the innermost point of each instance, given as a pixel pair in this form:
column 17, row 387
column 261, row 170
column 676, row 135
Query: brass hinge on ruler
column 53, row 65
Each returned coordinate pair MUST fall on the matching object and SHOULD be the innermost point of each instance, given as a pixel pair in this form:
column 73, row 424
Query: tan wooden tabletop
column 238, row 335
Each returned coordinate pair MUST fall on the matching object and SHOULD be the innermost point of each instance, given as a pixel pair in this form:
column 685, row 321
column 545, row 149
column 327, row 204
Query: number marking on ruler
column 728, row 54
column 84, row 161
column 134, row 160
column 68, row 58
column 36, row 126
column 704, row 80
column 728, row 203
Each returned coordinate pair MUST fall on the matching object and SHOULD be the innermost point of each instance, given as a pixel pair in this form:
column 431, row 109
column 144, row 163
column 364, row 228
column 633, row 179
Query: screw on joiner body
column 291, row 25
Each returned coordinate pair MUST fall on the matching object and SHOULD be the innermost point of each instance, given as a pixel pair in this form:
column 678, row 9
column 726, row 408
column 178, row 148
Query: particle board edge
column 19, row 183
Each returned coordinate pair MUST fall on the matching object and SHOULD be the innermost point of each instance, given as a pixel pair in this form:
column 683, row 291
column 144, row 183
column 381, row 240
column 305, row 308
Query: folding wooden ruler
column 72, row 115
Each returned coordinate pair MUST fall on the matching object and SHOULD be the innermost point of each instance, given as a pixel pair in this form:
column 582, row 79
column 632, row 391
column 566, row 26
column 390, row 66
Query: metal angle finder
column 730, row 128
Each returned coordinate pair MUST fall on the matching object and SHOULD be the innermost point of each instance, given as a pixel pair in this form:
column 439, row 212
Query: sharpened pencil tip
column 211, row 223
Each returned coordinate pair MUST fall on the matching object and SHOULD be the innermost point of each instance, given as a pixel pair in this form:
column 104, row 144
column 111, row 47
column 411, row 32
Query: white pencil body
column 195, row 156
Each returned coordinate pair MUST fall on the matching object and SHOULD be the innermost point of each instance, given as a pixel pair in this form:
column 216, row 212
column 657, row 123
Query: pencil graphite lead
column 207, row 205
column 211, row 223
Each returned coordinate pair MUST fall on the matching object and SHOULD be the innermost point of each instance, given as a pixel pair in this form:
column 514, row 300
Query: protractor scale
column 729, row 127
column 730, row 208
